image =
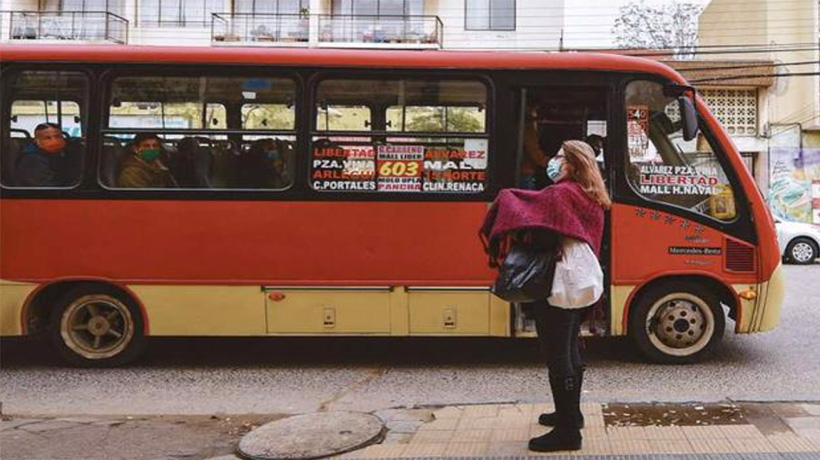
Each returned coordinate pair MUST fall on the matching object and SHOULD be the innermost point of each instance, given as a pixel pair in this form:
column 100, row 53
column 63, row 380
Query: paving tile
column 540, row 408
column 471, row 436
column 812, row 423
column 626, row 432
column 477, row 423
column 752, row 445
column 591, row 408
column 594, row 432
column 594, row 420
column 466, row 449
column 670, row 446
column 788, row 442
column 787, row 409
column 442, row 424
column 432, row 437
column 510, row 434
column 404, row 426
column 703, row 432
column 741, row 432
column 664, row 433
column 594, row 447
column 424, row 450
column 811, row 409
column 447, row 412
column 516, row 411
column 481, row 410
column 808, row 433
column 630, row 446
column 538, row 430
column 382, row 451
column 711, row 446
column 511, row 422
column 507, row 449
column 12, row 424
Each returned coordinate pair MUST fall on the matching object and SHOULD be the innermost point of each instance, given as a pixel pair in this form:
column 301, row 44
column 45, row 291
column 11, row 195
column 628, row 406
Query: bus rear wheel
column 676, row 323
column 97, row 326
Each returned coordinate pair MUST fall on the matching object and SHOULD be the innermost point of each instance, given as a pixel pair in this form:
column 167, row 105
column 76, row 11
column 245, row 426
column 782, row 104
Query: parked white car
column 800, row 241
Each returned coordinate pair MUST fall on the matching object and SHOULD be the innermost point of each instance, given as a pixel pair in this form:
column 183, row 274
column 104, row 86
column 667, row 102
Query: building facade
column 414, row 24
column 788, row 111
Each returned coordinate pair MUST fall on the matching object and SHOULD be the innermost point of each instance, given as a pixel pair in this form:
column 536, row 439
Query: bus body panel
column 258, row 243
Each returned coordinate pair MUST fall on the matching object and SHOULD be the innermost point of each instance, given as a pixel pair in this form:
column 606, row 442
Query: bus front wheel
column 676, row 323
column 97, row 326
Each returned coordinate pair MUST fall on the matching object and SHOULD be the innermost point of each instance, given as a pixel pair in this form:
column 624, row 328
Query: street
column 284, row 376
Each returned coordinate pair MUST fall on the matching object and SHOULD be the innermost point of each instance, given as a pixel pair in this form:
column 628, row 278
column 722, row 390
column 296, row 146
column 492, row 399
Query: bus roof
column 336, row 58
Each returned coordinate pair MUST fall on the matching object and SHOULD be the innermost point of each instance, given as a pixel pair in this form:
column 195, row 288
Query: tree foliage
column 672, row 26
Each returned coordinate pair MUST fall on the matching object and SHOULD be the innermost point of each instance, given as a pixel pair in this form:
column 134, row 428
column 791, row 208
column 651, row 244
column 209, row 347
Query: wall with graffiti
column 794, row 188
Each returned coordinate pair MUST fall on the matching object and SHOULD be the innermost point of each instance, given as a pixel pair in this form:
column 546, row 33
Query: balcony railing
column 244, row 28
column 332, row 30
column 416, row 31
column 87, row 26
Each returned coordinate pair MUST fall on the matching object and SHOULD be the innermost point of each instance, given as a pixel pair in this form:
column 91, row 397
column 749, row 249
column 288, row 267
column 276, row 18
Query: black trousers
column 558, row 330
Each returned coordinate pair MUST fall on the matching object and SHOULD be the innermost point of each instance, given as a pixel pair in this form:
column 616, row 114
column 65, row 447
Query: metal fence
column 416, row 30
column 426, row 31
column 65, row 25
column 259, row 28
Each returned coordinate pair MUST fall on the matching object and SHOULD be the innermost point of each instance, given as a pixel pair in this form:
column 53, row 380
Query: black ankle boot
column 566, row 435
column 551, row 418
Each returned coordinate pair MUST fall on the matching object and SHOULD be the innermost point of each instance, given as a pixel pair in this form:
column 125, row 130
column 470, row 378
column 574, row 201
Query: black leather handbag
column 528, row 270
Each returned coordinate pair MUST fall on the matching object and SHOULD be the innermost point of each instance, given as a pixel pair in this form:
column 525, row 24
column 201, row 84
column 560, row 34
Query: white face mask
column 555, row 168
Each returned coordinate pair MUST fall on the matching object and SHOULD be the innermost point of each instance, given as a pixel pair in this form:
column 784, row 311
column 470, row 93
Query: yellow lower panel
column 445, row 313
column 773, row 304
column 203, row 310
column 619, row 296
column 329, row 312
column 746, row 309
column 12, row 297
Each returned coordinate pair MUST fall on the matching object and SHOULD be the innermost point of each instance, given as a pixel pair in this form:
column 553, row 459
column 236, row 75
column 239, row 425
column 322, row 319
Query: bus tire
column 97, row 326
column 676, row 323
column 802, row 251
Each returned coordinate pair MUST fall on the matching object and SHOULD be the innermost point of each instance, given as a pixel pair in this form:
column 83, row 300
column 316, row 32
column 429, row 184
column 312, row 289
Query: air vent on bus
column 740, row 257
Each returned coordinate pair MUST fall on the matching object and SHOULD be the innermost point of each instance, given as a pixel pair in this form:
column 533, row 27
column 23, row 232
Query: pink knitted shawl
column 563, row 208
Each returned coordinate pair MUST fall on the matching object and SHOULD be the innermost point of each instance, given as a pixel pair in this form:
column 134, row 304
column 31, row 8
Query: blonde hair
column 584, row 171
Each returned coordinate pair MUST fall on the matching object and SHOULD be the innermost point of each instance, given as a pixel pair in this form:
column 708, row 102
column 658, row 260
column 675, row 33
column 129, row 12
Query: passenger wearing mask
column 143, row 167
column 535, row 159
column 573, row 208
column 264, row 166
column 50, row 162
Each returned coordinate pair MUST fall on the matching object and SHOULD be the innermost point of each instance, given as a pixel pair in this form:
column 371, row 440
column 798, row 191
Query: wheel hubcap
column 97, row 326
column 680, row 324
column 803, row 252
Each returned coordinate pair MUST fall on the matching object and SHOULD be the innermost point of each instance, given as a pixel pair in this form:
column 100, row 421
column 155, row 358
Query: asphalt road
column 263, row 375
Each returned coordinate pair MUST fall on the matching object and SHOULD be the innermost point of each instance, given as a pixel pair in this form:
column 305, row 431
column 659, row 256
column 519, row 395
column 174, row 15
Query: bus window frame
column 741, row 227
column 487, row 78
column 89, row 133
column 107, row 79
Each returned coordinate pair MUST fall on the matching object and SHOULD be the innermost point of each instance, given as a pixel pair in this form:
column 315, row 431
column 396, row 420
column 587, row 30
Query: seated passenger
column 143, row 168
column 191, row 164
column 263, row 166
column 51, row 161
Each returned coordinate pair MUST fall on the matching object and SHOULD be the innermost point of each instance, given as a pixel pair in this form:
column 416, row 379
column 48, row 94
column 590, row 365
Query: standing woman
column 573, row 208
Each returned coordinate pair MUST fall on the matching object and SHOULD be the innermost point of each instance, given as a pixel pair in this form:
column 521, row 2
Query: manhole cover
column 307, row 436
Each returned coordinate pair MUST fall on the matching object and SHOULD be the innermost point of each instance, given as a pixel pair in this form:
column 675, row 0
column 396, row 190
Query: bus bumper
column 771, row 301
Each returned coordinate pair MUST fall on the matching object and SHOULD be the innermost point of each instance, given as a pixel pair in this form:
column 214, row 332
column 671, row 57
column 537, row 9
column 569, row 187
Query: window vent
column 739, row 257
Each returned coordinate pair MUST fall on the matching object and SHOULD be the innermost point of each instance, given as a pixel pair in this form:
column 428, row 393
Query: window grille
column 736, row 109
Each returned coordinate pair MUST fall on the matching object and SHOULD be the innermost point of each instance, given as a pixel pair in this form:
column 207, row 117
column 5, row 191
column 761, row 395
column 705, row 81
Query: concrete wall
column 538, row 26
column 759, row 22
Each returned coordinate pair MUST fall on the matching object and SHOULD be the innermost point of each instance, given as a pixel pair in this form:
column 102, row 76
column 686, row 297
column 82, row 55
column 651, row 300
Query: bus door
column 548, row 116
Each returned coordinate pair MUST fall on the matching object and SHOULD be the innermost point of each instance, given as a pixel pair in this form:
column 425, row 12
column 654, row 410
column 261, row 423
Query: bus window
column 662, row 166
column 190, row 118
column 343, row 118
column 362, row 140
column 44, row 140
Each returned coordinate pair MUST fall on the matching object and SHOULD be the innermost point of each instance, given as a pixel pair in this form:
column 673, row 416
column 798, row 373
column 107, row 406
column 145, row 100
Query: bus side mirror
column 688, row 117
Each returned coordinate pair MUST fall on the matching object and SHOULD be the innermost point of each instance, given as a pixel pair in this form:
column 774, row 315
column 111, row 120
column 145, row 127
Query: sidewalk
column 693, row 431
column 746, row 430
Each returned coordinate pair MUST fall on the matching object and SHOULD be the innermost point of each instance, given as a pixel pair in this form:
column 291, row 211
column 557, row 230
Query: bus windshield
column 663, row 167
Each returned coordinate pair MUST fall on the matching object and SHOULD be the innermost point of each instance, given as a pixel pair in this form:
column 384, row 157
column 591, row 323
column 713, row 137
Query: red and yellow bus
column 333, row 192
